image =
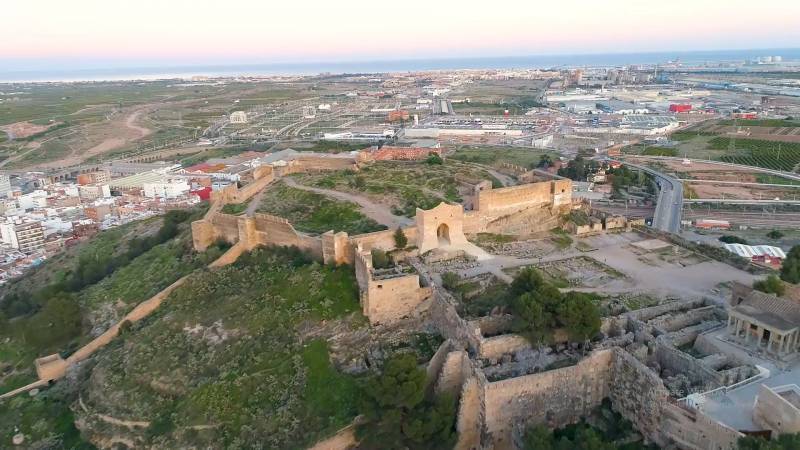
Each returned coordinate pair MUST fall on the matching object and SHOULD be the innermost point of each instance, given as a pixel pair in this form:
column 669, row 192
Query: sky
column 34, row 33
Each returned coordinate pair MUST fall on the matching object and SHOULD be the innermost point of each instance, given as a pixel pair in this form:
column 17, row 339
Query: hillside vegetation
column 221, row 363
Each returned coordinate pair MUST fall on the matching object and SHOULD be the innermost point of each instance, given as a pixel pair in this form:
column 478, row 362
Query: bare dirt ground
column 708, row 171
column 21, row 130
column 106, row 137
column 706, row 190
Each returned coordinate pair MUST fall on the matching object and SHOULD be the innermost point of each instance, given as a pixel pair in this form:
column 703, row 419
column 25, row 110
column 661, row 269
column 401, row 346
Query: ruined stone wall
column 442, row 313
column 393, row 298
column 533, row 219
column 336, row 248
column 494, row 348
column 383, row 240
column 583, row 230
column 471, row 413
column 678, row 321
column 652, row 312
column 307, row 164
column 388, row 299
column 493, row 325
column 273, row 230
column 692, row 430
column 555, row 398
column 773, row 412
column 455, row 371
column 636, row 392
column 437, row 362
column 678, row 362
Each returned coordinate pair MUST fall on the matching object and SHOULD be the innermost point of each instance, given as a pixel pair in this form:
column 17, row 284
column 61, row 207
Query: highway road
column 780, row 173
column 667, row 216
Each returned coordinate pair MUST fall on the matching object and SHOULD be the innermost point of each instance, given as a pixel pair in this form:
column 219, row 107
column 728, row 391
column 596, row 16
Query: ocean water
column 10, row 74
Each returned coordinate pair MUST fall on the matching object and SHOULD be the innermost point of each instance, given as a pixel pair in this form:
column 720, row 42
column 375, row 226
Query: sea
column 118, row 72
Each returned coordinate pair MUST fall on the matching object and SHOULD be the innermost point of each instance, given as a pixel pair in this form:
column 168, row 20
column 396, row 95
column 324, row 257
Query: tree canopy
column 539, row 307
column 790, row 271
column 771, row 285
column 397, row 413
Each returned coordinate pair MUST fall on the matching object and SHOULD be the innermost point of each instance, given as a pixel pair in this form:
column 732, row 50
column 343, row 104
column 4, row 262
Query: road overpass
column 669, row 204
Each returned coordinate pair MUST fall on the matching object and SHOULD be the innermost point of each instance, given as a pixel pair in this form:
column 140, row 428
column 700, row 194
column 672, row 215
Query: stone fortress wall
column 384, row 297
column 490, row 414
column 493, row 415
column 522, row 209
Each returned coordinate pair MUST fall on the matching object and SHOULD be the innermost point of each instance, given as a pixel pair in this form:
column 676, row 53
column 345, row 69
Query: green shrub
column 400, row 239
column 771, row 285
column 729, row 239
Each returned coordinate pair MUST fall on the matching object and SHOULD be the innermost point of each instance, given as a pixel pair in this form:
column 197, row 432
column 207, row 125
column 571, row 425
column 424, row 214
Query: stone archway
column 441, row 226
column 443, row 234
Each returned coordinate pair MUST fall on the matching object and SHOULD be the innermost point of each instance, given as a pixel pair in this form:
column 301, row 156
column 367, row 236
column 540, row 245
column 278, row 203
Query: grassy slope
column 315, row 213
column 103, row 303
column 247, row 371
column 409, row 185
column 494, row 156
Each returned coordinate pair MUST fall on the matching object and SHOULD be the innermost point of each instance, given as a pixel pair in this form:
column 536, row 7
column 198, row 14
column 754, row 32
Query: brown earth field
column 708, row 190
column 21, row 130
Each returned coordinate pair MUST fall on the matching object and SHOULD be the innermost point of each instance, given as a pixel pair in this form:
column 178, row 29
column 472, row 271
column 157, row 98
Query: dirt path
column 116, row 133
column 375, row 211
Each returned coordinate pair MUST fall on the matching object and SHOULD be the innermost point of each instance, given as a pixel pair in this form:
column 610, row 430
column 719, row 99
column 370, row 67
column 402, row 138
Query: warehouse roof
column 749, row 251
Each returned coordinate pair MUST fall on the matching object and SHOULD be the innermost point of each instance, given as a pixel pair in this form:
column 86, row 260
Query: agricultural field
column 315, row 213
column 404, row 186
column 783, row 156
column 768, row 154
column 58, row 125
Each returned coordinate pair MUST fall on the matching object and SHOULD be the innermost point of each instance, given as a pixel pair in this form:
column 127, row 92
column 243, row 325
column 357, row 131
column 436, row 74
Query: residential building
column 25, row 235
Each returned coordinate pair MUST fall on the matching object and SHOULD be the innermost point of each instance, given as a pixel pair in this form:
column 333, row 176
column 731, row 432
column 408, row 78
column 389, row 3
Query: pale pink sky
column 297, row 30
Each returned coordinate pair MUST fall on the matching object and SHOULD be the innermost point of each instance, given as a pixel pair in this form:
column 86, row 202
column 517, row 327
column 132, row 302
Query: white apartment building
column 166, row 189
column 24, row 235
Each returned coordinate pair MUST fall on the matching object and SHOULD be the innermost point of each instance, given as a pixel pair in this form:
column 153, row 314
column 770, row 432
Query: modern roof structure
column 750, row 251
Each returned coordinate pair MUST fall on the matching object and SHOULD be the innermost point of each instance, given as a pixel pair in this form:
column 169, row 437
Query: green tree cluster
column 771, row 285
column 730, row 239
column 434, row 159
column 398, row 415
column 539, row 307
column 775, row 234
column 579, row 168
column 790, row 270
column 584, row 438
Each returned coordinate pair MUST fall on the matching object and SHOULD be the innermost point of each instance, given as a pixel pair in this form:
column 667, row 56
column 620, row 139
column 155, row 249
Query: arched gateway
column 441, row 226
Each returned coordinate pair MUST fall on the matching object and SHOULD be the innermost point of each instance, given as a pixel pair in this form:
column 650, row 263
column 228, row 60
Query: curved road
column 669, row 205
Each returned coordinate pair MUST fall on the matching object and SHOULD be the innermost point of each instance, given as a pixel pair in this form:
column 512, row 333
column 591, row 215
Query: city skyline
column 89, row 32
